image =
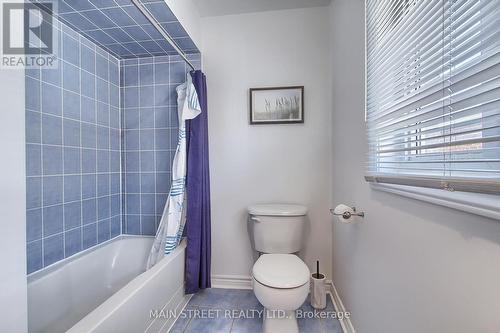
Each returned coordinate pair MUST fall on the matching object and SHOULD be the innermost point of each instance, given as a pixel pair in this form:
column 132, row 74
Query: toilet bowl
column 281, row 284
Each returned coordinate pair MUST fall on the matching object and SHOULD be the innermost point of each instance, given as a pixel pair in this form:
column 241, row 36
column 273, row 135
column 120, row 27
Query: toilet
column 280, row 277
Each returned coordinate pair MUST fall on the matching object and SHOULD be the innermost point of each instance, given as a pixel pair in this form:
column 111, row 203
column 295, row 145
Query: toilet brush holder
column 318, row 291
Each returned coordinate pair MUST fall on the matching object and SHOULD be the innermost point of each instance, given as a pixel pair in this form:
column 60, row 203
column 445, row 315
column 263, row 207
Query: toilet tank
column 277, row 228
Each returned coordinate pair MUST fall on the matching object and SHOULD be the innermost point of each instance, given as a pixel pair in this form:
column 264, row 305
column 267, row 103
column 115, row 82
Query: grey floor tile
column 247, row 325
column 332, row 325
column 219, row 298
column 182, row 322
column 307, row 325
column 209, row 325
column 247, row 300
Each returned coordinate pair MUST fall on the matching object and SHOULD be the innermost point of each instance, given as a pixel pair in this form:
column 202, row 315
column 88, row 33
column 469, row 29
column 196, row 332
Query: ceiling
column 121, row 29
column 227, row 7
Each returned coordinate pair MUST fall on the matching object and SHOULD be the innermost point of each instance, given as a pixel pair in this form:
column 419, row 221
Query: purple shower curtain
column 198, row 252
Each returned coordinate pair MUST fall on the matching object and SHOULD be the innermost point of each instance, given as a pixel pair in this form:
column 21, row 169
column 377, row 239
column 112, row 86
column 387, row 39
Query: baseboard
column 346, row 323
column 232, row 281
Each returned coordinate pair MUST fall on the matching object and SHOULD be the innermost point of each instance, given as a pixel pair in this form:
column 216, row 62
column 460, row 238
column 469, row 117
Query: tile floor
column 213, row 303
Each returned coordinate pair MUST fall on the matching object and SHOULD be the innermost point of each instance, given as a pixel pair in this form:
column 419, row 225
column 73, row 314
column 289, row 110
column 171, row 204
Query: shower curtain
column 198, row 252
column 172, row 222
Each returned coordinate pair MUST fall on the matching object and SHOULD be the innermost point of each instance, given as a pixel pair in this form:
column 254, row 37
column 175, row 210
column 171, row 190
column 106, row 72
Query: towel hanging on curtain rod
column 145, row 11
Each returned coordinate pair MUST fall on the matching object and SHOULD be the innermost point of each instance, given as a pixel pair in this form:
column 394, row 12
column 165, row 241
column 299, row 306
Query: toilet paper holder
column 347, row 215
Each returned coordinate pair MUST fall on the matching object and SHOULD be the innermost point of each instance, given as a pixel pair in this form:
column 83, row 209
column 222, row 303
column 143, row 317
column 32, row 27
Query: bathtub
column 106, row 289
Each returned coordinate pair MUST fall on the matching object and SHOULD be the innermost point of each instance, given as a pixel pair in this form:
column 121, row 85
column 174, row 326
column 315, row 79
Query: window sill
column 475, row 203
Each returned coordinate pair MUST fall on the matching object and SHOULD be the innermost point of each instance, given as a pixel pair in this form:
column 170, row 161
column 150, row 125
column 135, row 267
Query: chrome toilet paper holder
column 348, row 215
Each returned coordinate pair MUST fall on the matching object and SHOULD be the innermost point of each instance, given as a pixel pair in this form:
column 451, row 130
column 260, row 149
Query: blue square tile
column 162, row 117
column 148, row 204
column 132, row 116
column 52, row 190
column 33, row 224
column 32, row 94
column 132, row 183
column 115, row 205
column 72, row 215
column 71, row 133
column 146, row 95
column 103, row 208
column 52, row 160
column 137, row 16
column 114, row 139
column 89, row 136
column 99, row 19
column 88, row 110
column 71, row 78
column 114, row 118
column 162, row 182
column 51, row 99
column 132, row 139
column 102, row 185
column 33, row 160
column 119, row 35
column 102, row 91
column 177, row 72
column 103, row 114
column 148, row 225
column 146, row 74
column 34, row 256
column 102, row 161
column 161, row 11
column 71, row 50
column 77, row 21
column 175, row 30
column 78, row 5
column 88, row 84
column 185, row 43
column 161, row 199
column 89, row 186
column 102, row 137
column 114, row 161
column 147, row 161
column 51, row 130
column 71, row 105
column 131, row 76
column 132, row 162
column 148, row 139
column 147, row 117
column 33, row 192
column 163, row 161
column 102, row 69
column 162, row 139
column 133, row 225
column 162, row 73
column 88, row 59
column 72, row 188
column 33, row 127
column 200, row 325
column 114, row 96
column 133, row 205
column 89, row 211
column 72, row 242
column 162, row 95
column 89, row 160
column 72, row 160
column 52, row 220
column 247, row 325
column 136, row 33
column 131, row 97
column 103, row 230
column 115, row 226
column 89, row 235
column 115, row 183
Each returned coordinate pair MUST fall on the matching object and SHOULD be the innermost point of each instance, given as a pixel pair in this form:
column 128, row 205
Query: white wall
column 13, row 306
column 410, row 266
column 267, row 163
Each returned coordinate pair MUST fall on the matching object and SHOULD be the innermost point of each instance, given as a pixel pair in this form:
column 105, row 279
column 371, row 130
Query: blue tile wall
column 72, row 151
column 149, row 137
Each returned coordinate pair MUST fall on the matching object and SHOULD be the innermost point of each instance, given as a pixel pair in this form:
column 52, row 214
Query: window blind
column 433, row 93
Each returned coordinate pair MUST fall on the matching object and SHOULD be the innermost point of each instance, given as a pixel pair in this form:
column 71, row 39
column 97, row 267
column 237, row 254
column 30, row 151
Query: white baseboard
column 346, row 323
column 232, row 281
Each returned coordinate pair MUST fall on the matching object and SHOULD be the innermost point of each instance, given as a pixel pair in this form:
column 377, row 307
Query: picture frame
column 277, row 105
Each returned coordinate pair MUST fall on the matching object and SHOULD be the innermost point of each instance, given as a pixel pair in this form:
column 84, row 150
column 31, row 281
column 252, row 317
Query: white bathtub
column 106, row 289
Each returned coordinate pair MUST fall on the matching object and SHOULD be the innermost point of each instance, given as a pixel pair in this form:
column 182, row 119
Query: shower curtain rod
column 161, row 30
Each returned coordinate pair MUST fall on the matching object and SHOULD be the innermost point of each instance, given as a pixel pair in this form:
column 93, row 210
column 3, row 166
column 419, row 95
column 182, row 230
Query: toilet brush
column 318, row 290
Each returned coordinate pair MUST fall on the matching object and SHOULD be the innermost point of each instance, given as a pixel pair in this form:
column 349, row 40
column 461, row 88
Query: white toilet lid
column 281, row 271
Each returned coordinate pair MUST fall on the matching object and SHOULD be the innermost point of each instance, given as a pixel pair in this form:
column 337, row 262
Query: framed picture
column 277, row 105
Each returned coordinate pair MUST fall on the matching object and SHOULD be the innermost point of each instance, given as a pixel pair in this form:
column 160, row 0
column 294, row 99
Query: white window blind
column 433, row 93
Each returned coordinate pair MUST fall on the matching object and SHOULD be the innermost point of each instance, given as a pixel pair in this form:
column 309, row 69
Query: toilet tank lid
column 277, row 210
column 281, row 271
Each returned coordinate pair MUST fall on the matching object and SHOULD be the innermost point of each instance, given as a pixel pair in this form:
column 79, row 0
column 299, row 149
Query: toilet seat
column 281, row 271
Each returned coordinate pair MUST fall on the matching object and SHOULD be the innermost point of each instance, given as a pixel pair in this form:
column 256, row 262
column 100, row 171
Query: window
column 433, row 93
